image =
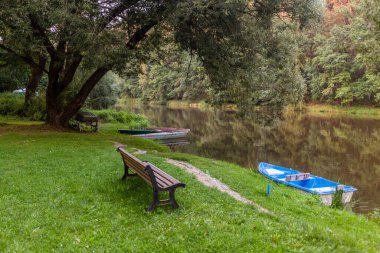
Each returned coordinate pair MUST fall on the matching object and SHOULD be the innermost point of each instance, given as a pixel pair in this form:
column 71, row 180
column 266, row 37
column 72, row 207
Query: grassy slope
column 61, row 191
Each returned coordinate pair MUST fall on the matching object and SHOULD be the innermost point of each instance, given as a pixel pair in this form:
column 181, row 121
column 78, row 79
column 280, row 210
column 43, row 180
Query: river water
column 337, row 148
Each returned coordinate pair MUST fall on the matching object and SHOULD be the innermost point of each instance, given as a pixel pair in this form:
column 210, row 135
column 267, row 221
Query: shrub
column 13, row 105
column 131, row 119
column 36, row 110
column 375, row 216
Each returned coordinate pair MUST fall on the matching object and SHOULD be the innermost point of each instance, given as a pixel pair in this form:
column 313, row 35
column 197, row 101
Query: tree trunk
column 53, row 108
column 34, row 80
column 78, row 101
column 58, row 116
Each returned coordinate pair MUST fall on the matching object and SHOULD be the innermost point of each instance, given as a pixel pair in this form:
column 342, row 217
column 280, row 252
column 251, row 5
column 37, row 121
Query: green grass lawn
column 5, row 120
column 61, row 191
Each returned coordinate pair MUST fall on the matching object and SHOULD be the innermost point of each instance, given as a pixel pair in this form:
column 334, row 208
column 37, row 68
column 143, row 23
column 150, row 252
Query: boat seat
column 299, row 176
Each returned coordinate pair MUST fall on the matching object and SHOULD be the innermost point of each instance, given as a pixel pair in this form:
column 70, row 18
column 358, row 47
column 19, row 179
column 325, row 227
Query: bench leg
column 126, row 173
column 172, row 198
column 155, row 202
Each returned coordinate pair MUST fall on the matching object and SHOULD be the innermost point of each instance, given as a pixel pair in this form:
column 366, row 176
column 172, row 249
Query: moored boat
column 307, row 182
column 137, row 131
column 153, row 130
column 163, row 135
column 168, row 129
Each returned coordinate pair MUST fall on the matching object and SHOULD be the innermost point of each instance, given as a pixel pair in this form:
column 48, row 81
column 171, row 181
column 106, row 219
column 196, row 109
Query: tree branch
column 114, row 13
column 140, row 34
column 40, row 33
column 70, row 71
column 27, row 59
column 79, row 99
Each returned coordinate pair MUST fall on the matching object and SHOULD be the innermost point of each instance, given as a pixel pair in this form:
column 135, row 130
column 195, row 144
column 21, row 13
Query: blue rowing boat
column 306, row 182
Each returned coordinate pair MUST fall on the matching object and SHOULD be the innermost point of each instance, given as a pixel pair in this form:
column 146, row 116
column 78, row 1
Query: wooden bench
column 87, row 118
column 159, row 180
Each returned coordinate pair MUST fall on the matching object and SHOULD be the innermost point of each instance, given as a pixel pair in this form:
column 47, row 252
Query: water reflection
column 341, row 149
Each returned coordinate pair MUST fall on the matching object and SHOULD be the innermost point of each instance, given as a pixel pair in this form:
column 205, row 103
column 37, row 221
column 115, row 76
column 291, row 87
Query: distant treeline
column 336, row 59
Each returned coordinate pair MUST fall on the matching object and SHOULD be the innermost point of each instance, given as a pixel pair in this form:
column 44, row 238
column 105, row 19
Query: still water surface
column 337, row 148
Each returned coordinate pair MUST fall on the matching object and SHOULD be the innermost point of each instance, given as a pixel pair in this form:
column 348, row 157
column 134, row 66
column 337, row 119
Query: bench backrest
column 135, row 164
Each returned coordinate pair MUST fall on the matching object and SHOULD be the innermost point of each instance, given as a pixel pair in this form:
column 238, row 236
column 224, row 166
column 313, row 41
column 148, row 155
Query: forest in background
column 334, row 59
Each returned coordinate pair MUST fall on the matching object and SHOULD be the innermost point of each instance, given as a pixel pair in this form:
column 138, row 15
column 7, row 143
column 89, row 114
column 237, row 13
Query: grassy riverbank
column 352, row 111
column 322, row 110
column 61, row 192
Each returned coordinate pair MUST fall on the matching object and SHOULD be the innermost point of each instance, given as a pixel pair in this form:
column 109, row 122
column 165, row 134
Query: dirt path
column 214, row 183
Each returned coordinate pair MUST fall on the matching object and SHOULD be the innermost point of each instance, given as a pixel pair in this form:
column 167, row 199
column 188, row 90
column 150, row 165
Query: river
column 338, row 148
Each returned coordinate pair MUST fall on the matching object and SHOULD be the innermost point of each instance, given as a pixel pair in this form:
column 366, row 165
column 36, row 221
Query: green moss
column 61, row 191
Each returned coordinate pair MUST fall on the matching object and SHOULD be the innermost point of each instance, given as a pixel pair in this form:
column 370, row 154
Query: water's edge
column 338, row 148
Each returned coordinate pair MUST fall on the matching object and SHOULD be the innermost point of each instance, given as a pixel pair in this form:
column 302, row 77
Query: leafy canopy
column 101, row 35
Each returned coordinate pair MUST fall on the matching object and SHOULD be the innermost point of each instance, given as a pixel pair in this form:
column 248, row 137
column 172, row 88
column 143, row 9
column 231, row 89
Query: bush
column 131, row 119
column 37, row 109
column 13, row 105
column 375, row 216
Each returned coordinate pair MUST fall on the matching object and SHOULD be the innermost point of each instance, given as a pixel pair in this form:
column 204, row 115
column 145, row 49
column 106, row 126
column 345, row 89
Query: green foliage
column 257, row 65
column 96, row 37
column 13, row 105
column 375, row 216
column 273, row 78
column 178, row 75
column 36, row 110
column 337, row 200
column 131, row 119
column 105, row 93
column 344, row 65
column 13, row 73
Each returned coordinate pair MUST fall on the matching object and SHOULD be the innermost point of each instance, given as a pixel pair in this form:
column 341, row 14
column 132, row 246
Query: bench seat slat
column 161, row 172
column 133, row 162
column 137, row 168
column 164, row 175
column 143, row 176
column 165, row 178
column 162, row 182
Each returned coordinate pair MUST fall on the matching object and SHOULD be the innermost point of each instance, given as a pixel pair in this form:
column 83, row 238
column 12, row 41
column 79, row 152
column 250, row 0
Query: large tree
column 59, row 37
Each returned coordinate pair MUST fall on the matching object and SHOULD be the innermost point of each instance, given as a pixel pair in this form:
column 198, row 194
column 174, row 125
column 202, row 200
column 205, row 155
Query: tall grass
column 13, row 105
column 131, row 119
